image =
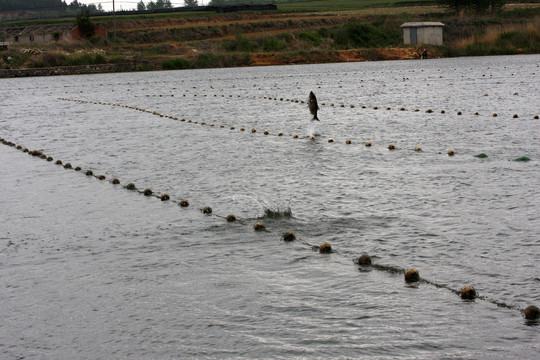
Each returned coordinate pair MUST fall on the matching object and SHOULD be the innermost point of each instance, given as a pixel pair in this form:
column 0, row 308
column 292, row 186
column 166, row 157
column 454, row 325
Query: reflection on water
column 89, row 269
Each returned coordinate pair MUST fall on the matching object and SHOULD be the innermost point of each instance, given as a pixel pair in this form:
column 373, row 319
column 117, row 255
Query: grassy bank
column 511, row 32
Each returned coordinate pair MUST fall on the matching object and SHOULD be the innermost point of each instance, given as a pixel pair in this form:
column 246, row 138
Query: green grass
column 296, row 6
column 39, row 22
column 510, row 42
column 527, row 40
column 310, row 36
column 181, row 15
column 52, row 59
column 240, row 43
column 335, row 5
column 86, row 59
column 176, row 64
column 208, row 60
column 110, row 18
column 272, row 43
column 360, row 35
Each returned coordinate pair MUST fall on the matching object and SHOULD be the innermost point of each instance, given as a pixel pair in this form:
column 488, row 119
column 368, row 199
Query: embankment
column 66, row 70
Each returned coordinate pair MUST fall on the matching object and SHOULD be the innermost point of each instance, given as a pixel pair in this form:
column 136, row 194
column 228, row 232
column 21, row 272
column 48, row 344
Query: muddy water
column 91, row 270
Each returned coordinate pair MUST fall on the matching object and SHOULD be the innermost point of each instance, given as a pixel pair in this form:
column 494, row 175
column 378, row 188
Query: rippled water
column 91, row 270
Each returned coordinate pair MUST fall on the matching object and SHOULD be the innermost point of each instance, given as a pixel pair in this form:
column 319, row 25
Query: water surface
column 91, row 270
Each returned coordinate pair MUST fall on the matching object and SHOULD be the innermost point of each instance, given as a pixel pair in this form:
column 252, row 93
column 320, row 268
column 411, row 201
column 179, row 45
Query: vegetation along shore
column 297, row 32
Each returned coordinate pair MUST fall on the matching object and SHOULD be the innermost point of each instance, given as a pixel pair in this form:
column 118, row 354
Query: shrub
column 357, row 34
column 98, row 40
column 240, row 43
column 86, row 26
column 312, row 37
column 520, row 13
column 165, row 48
column 175, row 64
column 86, row 59
column 99, row 59
column 207, row 60
column 143, row 67
column 287, row 37
column 49, row 59
column 478, row 6
column 527, row 40
column 272, row 43
column 237, row 59
column 324, row 32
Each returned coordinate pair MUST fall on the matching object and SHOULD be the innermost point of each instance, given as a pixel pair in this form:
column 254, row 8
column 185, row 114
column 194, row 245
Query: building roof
column 422, row 24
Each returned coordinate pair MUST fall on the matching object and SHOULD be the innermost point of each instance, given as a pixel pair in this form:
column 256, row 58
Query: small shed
column 428, row 32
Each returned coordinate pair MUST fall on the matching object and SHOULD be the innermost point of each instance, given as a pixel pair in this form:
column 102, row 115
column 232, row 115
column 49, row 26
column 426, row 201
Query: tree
column 141, row 6
column 74, row 5
column 191, row 3
column 159, row 4
column 86, row 26
column 92, row 8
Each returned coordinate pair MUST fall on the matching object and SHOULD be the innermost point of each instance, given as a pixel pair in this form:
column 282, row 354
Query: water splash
column 312, row 129
column 265, row 207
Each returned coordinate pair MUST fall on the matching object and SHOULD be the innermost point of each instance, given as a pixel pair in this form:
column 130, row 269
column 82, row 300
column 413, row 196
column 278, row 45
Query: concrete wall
column 37, row 37
column 407, row 36
column 432, row 35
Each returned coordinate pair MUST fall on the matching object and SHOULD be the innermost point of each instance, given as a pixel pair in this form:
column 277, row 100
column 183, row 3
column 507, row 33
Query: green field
column 296, row 6
column 334, row 5
column 109, row 18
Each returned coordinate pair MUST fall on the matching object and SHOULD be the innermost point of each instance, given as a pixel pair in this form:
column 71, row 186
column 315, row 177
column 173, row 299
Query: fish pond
column 90, row 269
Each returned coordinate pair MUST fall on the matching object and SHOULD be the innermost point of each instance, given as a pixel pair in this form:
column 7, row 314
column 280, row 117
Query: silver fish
column 313, row 107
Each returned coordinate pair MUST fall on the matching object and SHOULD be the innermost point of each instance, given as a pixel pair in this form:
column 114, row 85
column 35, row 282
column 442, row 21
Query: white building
column 423, row 33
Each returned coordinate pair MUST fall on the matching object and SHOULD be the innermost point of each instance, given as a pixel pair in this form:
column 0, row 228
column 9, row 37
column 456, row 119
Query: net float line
column 183, row 203
column 531, row 313
column 388, row 108
column 412, row 277
column 330, row 104
column 363, row 76
column 468, row 292
column 342, row 105
column 266, row 132
column 190, row 121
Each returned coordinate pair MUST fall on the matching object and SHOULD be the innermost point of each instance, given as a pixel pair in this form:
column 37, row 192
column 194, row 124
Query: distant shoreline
column 259, row 59
column 174, row 42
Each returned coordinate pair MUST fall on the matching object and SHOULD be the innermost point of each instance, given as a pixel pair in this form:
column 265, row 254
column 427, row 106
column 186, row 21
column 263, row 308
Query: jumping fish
column 313, row 107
